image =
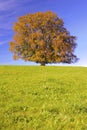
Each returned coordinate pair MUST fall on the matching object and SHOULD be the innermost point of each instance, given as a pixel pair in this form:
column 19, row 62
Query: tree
column 42, row 38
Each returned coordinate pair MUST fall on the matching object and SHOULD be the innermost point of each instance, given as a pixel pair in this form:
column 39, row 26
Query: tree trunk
column 42, row 64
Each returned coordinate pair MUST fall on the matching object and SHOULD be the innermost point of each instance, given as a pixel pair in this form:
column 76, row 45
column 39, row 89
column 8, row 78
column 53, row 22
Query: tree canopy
column 41, row 37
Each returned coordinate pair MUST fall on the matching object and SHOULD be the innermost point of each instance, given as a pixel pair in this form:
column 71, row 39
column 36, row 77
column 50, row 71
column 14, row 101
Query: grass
column 43, row 98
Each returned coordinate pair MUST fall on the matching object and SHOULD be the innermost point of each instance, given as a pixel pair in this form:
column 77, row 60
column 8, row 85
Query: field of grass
column 43, row 98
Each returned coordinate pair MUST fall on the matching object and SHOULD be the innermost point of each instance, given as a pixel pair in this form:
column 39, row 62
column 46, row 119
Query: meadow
column 43, row 98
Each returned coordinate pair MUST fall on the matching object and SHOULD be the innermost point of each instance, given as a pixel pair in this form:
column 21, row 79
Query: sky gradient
column 73, row 13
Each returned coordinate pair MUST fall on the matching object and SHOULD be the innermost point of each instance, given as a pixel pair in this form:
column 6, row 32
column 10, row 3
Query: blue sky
column 73, row 13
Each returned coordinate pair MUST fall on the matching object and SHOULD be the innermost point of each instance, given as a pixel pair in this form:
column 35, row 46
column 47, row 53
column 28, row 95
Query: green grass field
column 43, row 98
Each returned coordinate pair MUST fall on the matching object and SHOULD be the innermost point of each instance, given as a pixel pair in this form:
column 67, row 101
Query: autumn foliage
column 42, row 38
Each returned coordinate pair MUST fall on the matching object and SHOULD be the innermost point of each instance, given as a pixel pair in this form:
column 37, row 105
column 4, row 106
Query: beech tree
column 41, row 37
